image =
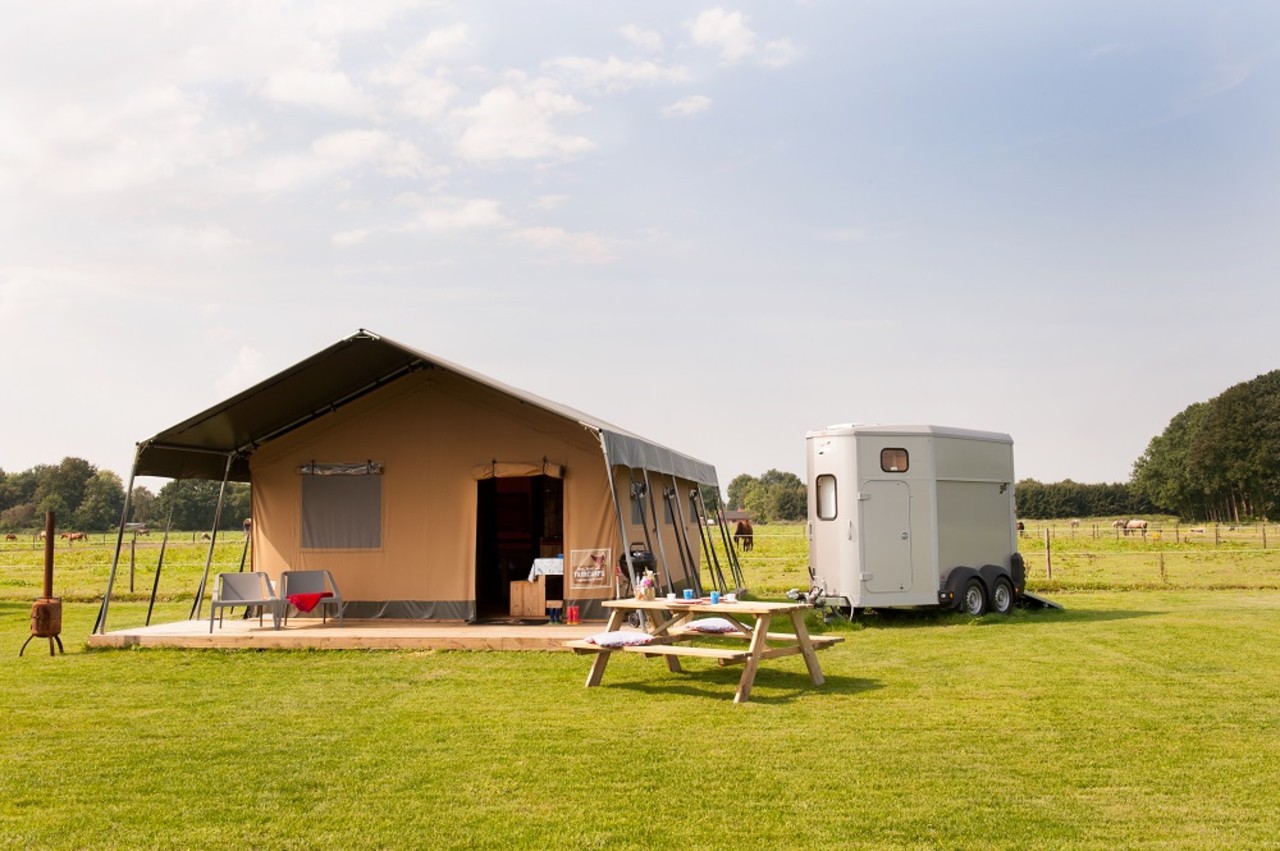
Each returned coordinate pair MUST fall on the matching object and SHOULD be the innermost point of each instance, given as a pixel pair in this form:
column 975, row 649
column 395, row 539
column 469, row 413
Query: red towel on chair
column 307, row 602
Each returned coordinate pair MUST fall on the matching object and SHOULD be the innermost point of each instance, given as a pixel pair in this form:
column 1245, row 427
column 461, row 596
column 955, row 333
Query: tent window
column 693, row 507
column 668, row 510
column 341, row 506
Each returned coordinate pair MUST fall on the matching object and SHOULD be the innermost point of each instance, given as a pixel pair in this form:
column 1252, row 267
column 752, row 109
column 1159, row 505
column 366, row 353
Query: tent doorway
column 517, row 520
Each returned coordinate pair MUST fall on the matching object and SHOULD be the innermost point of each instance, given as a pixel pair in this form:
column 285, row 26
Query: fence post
column 1164, row 577
column 1048, row 558
column 1264, row 535
column 1215, row 534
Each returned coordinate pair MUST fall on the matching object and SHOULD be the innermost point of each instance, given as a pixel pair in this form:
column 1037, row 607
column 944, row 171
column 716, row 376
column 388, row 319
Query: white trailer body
column 912, row 515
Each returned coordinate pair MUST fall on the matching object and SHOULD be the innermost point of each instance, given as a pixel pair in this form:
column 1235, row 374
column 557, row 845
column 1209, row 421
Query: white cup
column 671, row 595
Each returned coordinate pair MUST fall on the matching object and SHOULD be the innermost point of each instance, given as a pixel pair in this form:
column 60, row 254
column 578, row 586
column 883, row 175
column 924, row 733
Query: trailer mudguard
column 1018, row 573
column 991, row 572
column 953, row 592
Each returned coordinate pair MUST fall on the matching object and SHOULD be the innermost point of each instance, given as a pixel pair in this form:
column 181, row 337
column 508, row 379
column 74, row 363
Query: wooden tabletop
column 705, row 606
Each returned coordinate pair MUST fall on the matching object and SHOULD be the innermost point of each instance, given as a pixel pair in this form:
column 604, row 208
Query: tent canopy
column 199, row 447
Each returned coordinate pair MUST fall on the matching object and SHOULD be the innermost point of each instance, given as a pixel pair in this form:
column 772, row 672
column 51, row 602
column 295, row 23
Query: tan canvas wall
column 662, row 535
column 430, row 431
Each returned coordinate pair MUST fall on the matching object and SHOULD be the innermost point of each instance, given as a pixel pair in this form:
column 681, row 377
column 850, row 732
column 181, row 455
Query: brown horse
column 744, row 536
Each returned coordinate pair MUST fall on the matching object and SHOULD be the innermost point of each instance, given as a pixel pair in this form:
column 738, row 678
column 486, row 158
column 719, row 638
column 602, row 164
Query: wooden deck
column 309, row 634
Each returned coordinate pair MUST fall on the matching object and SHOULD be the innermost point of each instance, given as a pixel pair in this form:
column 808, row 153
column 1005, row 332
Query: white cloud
column 647, row 40
column 559, row 244
column 511, row 124
column 421, row 57
column 427, row 97
column 448, row 213
column 337, row 153
column 346, row 239
column 79, row 146
column 613, row 74
column 779, row 54
column 726, row 32
column 323, row 89
column 691, row 105
column 243, row 373
column 550, row 202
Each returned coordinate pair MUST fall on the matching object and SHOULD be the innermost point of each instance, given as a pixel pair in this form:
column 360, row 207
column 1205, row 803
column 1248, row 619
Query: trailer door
column 886, row 531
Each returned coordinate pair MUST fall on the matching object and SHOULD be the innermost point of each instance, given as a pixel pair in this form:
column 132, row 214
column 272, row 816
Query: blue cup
column 715, row 597
column 688, row 593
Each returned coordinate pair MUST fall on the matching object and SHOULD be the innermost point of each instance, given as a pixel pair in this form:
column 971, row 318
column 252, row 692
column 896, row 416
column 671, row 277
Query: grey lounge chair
column 244, row 589
column 312, row 582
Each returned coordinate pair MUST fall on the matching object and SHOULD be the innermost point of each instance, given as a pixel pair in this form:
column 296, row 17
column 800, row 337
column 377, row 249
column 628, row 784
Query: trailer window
column 826, row 487
column 893, row 460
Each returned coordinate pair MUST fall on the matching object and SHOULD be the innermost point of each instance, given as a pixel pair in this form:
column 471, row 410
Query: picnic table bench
column 668, row 622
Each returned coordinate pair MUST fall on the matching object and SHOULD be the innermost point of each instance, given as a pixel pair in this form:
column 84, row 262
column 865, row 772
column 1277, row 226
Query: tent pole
column 708, row 543
column 684, row 532
column 731, row 555
column 682, row 538
column 164, row 545
column 622, row 520
column 640, row 490
column 213, row 539
column 100, row 626
column 657, row 530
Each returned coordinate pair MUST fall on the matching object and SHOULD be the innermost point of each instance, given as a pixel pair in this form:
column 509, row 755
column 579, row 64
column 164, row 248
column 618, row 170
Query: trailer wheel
column 1002, row 597
column 974, row 600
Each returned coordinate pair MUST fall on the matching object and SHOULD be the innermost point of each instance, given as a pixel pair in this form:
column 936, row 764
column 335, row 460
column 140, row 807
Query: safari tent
column 428, row 490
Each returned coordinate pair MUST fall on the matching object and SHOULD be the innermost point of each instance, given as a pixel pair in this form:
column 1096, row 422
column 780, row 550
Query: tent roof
column 198, row 448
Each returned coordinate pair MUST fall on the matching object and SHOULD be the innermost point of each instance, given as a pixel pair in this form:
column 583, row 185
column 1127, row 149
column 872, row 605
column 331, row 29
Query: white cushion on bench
column 620, row 638
column 713, row 625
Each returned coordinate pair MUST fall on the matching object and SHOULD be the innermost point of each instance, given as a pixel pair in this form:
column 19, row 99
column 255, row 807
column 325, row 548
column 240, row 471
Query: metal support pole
column 708, row 543
column 100, row 626
column 155, row 585
column 213, row 539
column 622, row 519
column 657, row 530
column 695, row 572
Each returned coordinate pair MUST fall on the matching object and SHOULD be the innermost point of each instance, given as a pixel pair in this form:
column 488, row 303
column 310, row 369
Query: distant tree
column 775, row 495
column 62, row 488
column 1220, row 459
column 18, row 517
column 710, row 498
column 103, row 501
column 194, row 501
column 20, row 488
column 142, row 505
column 741, row 485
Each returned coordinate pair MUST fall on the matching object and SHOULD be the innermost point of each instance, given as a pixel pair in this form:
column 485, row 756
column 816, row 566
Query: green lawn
column 1133, row 718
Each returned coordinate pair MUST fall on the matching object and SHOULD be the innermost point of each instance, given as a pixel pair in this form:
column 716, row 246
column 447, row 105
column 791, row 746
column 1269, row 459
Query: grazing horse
column 744, row 536
column 75, row 536
column 1139, row 526
column 11, row 537
column 1075, row 524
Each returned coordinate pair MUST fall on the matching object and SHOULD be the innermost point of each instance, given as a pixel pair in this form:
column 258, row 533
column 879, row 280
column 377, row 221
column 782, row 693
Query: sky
column 718, row 226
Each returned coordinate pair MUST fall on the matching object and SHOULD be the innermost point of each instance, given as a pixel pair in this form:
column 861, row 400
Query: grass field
column 1144, row 715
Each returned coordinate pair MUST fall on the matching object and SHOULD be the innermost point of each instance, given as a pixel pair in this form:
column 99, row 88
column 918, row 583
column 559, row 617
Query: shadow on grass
column 924, row 618
column 720, row 686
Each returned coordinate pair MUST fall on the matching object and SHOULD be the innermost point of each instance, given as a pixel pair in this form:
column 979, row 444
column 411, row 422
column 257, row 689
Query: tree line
column 775, row 495
column 1218, row 460
column 87, row 499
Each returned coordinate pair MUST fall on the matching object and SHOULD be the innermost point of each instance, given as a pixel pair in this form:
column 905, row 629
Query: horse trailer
column 912, row 515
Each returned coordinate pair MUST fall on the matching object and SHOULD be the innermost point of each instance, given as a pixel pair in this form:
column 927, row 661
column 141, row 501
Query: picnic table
column 668, row 622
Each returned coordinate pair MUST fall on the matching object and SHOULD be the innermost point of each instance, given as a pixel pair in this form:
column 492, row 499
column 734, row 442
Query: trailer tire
column 973, row 601
column 1002, row 597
